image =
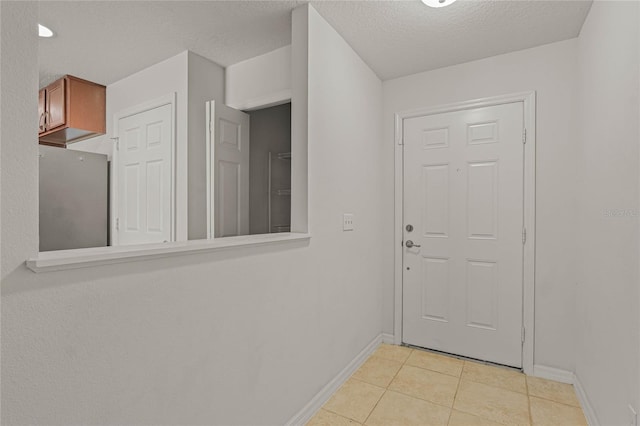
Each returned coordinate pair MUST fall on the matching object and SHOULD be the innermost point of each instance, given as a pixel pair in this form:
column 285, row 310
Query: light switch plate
column 347, row 222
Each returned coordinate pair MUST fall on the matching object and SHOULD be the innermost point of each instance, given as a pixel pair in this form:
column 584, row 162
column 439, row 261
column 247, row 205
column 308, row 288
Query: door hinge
column 117, row 141
column 524, row 135
column 117, row 223
column 522, row 332
column 524, row 235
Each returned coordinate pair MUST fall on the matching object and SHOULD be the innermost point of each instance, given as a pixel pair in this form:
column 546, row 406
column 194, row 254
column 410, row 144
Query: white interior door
column 463, row 195
column 144, row 167
column 229, row 177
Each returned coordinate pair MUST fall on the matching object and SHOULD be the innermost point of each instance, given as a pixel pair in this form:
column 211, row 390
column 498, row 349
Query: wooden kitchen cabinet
column 71, row 109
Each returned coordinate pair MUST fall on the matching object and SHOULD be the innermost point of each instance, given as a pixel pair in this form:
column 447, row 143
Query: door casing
column 529, row 101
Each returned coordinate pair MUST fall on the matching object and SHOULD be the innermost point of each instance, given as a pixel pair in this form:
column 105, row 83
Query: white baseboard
column 569, row 377
column 556, row 374
column 388, row 338
column 587, row 408
column 309, row 410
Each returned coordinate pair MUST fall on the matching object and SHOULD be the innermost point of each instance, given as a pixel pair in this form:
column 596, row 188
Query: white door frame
column 210, row 172
column 169, row 99
column 529, row 101
column 209, row 146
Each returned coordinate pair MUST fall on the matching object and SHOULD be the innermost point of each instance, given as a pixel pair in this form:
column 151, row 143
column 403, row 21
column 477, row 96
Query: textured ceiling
column 404, row 37
column 104, row 41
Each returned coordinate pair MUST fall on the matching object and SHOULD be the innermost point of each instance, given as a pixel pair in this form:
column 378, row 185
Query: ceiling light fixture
column 438, row 3
column 44, row 31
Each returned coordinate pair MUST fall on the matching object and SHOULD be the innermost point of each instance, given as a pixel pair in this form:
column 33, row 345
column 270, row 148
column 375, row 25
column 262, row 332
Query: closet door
column 229, row 177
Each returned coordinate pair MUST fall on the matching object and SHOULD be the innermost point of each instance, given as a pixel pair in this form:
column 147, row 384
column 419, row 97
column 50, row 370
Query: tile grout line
column 554, row 401
column 459, row 378
column 375, row 405
column 339, row 415
column 432, row 370
column 428, row 370
column 472, row 361
column 526, row 384
column 357, row 380
column 465, row 358
column 387, row 387
column 423, row 400
column 465, row 361
column 550, row 399
column 526, row 392
column 495, row 387
column 456, row 393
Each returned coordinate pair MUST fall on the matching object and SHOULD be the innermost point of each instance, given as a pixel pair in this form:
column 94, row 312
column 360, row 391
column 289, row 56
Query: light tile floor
column 402, row 386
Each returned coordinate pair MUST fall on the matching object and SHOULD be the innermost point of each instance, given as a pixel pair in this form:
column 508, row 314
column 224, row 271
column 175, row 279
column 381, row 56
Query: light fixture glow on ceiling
column 44, row 31
column 438, row 3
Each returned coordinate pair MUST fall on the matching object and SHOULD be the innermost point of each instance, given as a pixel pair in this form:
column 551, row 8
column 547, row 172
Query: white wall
column 550, row 70
column 18, row 83
column 300, row 120
column 261, row 81
column 205, row 83
column 246, row 336
column 608, row 339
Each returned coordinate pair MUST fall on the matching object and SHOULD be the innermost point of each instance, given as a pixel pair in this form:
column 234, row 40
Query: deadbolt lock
column 409, row 228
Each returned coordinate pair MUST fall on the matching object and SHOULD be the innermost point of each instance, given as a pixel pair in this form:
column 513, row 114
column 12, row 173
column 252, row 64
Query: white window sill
column 82, row 258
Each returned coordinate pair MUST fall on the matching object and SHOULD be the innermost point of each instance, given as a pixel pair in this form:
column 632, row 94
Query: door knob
column 410, row 244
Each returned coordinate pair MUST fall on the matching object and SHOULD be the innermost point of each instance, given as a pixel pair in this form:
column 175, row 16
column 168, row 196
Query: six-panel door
column 145, row 177
column 463, row 194
column 231, row 171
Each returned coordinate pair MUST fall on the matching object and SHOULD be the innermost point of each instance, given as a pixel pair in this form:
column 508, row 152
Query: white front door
column 144, row 180
column 463, row 196
column 229, row 176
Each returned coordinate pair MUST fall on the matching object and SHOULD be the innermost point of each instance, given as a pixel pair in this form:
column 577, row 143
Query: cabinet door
column 55, row 101
column 41, row 110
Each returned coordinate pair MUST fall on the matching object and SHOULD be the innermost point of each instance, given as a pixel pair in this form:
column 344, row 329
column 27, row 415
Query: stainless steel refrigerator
column 74, row 199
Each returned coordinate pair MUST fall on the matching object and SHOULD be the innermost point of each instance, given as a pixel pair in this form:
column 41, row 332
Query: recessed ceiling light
column 44, row 31
column 438, row 3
